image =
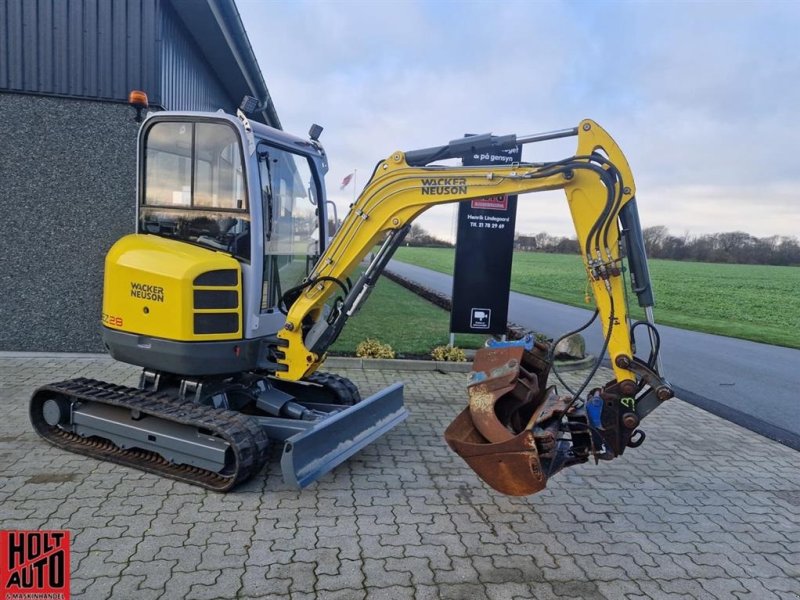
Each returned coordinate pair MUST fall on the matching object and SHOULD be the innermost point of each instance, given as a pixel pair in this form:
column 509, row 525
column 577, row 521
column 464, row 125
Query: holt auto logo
column 34, row 565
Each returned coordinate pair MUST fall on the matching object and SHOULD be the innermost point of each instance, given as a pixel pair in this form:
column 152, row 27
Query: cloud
column 699, row 95
column 754, row 209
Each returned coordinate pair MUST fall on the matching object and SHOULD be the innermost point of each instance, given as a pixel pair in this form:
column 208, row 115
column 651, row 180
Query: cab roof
column 260, row 130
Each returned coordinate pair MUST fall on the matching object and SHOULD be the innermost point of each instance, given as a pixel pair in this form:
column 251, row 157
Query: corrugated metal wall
column 103, row 49
column 187, row 82
column 92, row 48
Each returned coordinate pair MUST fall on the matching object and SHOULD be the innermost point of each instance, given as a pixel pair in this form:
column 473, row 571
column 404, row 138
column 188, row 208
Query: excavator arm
column 549, row 431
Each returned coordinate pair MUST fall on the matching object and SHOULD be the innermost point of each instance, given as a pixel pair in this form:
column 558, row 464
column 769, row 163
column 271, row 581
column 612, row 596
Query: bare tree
column 728, row 247
column 417, row 236
column 654, row 238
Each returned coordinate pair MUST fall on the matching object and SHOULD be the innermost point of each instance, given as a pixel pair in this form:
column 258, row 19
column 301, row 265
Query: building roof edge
column 230, row 21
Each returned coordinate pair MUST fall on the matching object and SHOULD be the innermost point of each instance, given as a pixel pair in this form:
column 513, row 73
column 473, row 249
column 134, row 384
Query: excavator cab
column 247, row 202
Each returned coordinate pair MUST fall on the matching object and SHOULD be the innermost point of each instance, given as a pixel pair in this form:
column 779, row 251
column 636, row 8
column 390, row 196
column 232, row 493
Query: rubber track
column 344, row 390
column 247, row 440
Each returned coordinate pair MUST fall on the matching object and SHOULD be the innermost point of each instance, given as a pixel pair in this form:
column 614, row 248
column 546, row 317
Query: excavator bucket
column 508, row 432
column 311, row 453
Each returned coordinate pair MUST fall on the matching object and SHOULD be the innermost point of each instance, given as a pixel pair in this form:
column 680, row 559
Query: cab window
column 291, row 220
column 193, row 186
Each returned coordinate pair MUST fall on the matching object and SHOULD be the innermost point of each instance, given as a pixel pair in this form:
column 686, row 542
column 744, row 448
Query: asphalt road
column 754, row 385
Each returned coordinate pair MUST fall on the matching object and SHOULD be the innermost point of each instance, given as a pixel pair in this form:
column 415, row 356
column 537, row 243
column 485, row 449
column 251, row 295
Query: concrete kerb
column 395, row 364
column 399, row 364
column 84, row 355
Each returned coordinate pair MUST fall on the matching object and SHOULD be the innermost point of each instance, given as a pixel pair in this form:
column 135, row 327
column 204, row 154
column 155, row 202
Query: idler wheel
column 55, row 411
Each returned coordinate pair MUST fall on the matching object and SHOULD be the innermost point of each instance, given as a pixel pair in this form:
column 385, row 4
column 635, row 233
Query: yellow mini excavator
column 231, row 291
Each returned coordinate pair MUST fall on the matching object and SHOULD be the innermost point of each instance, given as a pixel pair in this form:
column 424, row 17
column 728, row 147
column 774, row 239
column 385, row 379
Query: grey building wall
column 185, row 54
column 68, row 141
column 67, row 192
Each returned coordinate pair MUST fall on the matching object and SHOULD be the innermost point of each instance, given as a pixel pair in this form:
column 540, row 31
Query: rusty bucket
column 509, row 421
column 511, row 467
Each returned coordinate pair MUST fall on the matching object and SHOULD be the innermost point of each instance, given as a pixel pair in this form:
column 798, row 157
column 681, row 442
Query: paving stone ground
column 704, row 509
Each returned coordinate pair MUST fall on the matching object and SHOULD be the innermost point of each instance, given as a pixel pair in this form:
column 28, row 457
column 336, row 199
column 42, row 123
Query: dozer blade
column 311, row 453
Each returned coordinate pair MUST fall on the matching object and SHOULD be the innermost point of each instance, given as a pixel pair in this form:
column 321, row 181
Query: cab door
column 293, row 220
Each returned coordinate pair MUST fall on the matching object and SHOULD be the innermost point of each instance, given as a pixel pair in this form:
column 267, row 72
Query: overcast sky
column 703, row 97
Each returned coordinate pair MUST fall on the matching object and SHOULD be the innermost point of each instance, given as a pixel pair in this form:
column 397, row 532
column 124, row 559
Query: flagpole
column 355, row 184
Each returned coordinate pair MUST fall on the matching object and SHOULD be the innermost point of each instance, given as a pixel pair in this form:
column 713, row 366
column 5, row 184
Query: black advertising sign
column 484, row 250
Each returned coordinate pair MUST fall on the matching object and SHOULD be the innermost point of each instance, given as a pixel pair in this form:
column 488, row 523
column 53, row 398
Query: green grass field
column 395, row 316
column 753, row 302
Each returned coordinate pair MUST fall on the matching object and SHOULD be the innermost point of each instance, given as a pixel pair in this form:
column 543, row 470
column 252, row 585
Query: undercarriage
column 215, row 433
